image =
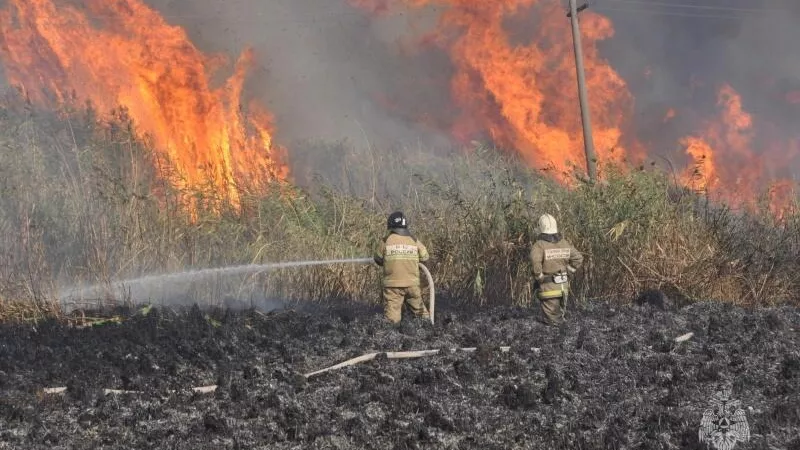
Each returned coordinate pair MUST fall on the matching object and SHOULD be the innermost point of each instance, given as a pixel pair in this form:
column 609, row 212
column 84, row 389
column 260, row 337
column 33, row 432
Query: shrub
column 84, row 201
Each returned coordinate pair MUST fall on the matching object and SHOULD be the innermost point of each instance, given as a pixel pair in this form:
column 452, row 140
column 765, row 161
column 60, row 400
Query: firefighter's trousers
column 394, row 297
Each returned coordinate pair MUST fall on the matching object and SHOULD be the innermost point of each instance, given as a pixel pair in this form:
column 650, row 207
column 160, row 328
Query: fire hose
column 431, row 290
column 428, row 276
column 422, row 353
column 431, row 294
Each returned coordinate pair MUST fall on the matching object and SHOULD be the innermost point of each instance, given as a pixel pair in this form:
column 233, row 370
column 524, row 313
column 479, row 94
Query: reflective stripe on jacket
column 552, row 254
column 400, row 255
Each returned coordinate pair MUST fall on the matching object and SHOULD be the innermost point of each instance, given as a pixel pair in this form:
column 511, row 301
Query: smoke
column 325, row 69
column 678, row 57
column 763, row 60
column 331, row 72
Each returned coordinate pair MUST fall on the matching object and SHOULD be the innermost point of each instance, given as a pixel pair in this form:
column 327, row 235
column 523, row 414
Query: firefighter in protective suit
column 400, row 253
column 554, row 260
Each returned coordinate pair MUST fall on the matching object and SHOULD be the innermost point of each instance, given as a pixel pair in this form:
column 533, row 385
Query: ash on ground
column 613, row 377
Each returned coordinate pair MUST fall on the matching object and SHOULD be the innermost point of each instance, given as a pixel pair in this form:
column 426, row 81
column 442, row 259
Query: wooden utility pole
column 583, row 96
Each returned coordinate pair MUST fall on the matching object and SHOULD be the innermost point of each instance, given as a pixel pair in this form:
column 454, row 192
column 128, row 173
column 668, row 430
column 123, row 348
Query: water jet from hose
column 82, row 294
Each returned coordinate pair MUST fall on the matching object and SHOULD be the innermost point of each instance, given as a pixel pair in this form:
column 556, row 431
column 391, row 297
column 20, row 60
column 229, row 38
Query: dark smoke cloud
column 689, row 57
column 326, row 69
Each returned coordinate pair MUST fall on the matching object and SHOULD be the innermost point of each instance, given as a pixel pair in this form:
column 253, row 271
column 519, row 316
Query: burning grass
column 84, row 199
column 125, row 53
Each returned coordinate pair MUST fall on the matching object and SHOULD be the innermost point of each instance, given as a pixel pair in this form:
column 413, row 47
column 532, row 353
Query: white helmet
column 547, row 224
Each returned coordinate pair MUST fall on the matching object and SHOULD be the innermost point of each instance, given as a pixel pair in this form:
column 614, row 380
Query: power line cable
column 698, row 6
column 660, row 9
column 654, row 12
column 714, row 14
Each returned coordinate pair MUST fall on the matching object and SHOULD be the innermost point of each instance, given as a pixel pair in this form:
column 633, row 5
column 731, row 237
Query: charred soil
column 612, row 377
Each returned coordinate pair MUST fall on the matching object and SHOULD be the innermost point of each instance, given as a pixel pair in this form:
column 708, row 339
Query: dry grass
column 81, row 201
column 24, row 311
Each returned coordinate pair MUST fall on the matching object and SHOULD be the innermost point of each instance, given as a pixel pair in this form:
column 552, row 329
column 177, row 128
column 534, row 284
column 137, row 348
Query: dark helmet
column 397, row 220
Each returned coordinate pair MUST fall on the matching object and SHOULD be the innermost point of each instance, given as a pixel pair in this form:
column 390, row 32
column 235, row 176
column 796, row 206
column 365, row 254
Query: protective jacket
column 400, row 254
column 550, row 255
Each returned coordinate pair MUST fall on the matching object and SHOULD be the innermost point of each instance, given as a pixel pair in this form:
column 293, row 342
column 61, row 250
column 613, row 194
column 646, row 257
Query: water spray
column 191, row 275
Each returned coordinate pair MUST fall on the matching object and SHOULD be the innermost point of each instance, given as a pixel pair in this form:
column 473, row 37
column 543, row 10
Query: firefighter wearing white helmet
column 554, row 260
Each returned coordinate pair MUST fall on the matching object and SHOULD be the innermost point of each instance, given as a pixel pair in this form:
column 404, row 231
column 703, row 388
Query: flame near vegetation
column 122, row 53
column 728, row 137
column 525, row 96
column 517, row 87
column 724, row 163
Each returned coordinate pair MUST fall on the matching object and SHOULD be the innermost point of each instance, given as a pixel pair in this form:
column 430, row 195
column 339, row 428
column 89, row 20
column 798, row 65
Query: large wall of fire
column 520, row 93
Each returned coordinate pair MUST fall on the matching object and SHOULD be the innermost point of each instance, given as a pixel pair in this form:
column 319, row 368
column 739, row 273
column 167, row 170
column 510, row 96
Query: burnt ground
column 612, row 378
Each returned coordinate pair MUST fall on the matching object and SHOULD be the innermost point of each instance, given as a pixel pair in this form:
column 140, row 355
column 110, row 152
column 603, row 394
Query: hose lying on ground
column 397, row 355
column 421, row 353
column 61, row 390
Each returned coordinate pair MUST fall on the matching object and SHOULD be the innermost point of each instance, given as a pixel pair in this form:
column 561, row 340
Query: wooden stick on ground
column 55, row 390
column 118, row 391
column 205, row 389
column 61, row 390
column 396, row 355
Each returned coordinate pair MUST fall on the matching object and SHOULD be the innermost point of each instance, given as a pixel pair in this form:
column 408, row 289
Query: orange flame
column 122, row 53
column 782, row 195
column 725, row 165
column 702, row 175
column 525, row 96
column 722, row 156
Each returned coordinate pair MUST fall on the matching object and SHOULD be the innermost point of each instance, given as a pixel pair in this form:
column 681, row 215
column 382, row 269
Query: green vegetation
column 82, row 199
